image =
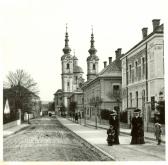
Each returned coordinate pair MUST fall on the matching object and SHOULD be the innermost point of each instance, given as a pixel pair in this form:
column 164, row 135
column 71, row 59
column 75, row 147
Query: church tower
column 92, row 60
column 67, row 71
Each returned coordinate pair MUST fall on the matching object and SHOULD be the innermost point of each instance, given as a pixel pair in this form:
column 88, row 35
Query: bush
column 123, row 116
column 161, row 108
column 105, row 114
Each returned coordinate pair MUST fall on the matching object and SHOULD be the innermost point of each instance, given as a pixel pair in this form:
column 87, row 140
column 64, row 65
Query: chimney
column 105, row 64
column 144, row 32
column 156, row 23
column 118, row 52
column 110, row 60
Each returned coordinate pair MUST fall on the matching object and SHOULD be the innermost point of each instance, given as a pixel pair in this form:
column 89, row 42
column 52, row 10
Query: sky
column 32, row 33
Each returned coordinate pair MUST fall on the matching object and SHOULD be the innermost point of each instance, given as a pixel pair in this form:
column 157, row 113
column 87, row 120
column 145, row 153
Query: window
column 136, row 70
column 143, row 99
column 130, row 73
column 94, row 67
column 76, row 79
column 137, row 99
column 143, row 66
column 130, row 99
column 115, row 90
column 68, row 84
column 67, row 66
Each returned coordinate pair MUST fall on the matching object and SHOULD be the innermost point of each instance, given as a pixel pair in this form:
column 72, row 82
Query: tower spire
column 66, row 49
column 74, row 52
column 92, row 49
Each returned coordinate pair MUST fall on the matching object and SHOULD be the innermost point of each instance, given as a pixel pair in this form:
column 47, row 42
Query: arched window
column 67, row 66
column 94, row 67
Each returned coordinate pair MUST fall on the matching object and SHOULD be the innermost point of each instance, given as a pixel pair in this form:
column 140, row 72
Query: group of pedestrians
column 137, row 131
column 75, row 116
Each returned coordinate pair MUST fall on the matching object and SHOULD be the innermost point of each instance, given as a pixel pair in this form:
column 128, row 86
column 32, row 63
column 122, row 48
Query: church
column 72, row 77
column 79, row 93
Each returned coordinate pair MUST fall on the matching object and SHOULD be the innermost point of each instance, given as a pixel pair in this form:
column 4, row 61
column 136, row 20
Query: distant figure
column 158, row 132
column 79, row 116
column 113, row 120
column 73, row 116
column 76, row 117
column 137, row 131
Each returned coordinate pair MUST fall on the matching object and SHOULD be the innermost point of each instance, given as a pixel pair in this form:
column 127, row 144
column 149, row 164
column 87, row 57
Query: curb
column 21, row 129
column 97, row 150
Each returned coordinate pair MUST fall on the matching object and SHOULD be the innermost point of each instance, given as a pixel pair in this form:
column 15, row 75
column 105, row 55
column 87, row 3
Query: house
column 143, row 73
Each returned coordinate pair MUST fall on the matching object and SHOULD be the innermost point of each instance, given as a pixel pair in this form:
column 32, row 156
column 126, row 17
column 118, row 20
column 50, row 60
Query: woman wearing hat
column 137, row 131
column 113, row 120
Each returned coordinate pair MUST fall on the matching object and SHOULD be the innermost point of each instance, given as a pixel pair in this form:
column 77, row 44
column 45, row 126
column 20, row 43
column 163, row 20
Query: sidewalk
column 147, row 135
column 14, row 129
column 149, row 151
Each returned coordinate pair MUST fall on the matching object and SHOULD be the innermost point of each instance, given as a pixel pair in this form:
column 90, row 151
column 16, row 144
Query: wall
column 11, row 124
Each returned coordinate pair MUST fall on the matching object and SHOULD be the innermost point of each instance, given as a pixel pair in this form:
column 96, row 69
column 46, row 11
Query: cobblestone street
column 46, row 140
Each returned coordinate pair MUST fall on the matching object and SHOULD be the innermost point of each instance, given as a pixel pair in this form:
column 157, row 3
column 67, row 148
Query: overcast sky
column 32, row 33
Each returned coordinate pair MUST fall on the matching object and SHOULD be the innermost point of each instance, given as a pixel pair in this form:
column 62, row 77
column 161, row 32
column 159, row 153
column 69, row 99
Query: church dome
column 59, row 91
column 77, row 69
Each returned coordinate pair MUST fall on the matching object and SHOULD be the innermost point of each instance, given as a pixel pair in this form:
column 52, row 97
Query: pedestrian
column 137, row 131
column 113, row 120
column 73, row 116
column 76, row 117
column 111, row 135
column 79, row 116
column 158, row 131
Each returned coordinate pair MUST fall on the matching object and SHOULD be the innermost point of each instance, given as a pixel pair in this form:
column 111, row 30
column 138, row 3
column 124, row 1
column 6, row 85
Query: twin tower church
column 72, row 74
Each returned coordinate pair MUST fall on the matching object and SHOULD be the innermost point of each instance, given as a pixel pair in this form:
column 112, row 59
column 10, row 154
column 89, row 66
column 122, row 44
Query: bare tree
column 24, row 89
column 23, row 79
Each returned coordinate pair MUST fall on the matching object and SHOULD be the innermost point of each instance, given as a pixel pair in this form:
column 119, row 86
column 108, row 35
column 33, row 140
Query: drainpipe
column 146, row 56
column 127, row 79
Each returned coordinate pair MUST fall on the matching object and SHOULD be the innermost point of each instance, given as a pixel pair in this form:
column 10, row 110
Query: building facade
column 103, row 91
column 143, row 72
column 72, row 78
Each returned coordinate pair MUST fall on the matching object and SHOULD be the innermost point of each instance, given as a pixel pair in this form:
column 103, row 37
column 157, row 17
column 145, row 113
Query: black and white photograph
column 83, row 81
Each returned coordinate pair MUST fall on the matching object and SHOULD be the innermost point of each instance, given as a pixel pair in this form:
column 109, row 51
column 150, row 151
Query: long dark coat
column 114, row 123
column 137, row 131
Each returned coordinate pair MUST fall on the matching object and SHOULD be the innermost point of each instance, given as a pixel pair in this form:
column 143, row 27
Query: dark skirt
column 137, row 140
column 116, row 140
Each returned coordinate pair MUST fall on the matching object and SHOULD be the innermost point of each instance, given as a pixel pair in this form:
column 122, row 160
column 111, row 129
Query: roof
column 158, row 30
column 75, row 58
column 58, row 91
column 115, row 66
column 77, row 69
column 68, row 56
column 93, row 57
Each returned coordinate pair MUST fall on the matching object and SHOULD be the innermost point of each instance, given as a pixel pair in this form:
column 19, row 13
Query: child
column 111, row 135
column 158, row 132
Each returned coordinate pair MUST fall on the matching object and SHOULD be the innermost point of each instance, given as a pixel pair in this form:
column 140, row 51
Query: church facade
column 72, row 77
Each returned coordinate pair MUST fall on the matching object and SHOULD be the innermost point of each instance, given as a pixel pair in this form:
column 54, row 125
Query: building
column 143, row 73
column 20, row 98
column 71, row 77
column 76, row 103
column 102, row 89
column 58, row 100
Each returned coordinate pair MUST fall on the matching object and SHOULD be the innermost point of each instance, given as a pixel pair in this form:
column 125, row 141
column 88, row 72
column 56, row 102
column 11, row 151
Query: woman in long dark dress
column 137, row 131
column 113, row 120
